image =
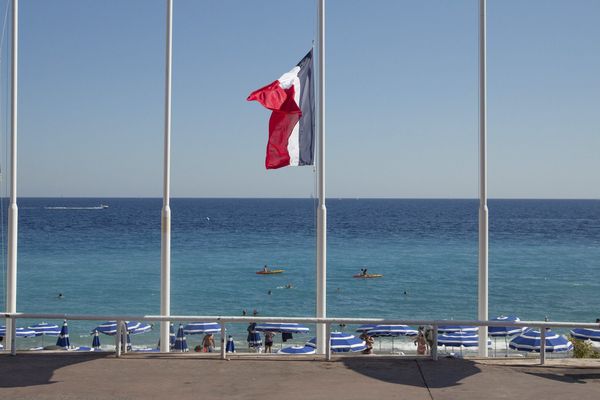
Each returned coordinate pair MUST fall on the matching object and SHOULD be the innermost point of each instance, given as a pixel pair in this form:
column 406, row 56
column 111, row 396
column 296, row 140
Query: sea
column 544, row 258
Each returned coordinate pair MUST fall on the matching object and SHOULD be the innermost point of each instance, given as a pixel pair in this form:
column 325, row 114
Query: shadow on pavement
column 432, row 374
column 37, row 369
column 567, row 377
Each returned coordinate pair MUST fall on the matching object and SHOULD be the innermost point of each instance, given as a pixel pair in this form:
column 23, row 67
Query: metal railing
column 121, row 347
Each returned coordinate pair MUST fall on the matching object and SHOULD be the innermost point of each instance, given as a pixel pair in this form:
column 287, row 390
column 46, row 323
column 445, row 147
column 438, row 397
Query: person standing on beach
column 208, row 343
column 421, row 342
column 369, row 341
column 269, row 341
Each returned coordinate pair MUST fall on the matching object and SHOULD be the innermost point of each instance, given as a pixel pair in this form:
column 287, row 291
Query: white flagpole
column 165, row 249
column 483, row 209
column 322, row 211
column 13, row 210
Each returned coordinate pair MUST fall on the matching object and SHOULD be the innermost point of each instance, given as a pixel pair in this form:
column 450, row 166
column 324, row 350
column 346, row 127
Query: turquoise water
column 544, row 258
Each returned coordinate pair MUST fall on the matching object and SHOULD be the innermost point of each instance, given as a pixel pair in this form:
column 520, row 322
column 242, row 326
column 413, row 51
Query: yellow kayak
column 367, row 276
column 270, row 272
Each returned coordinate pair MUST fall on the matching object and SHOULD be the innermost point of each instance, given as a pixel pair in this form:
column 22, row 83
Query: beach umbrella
column 390, row 331
column 298, row 350
column 457, row 328
column 96, row 341
column 365, row 327
column 63, row 337
column 504, row 331
column 283, row 327
column 180, row 342
column 197, row 328
column 45, row 329
column 530, row 341
column 342, row 343
column 110, row 327
column 141, row 327
column 500, row 331
column 583, row 333
column 230, row 348
column 20, row 332
column 460, row 339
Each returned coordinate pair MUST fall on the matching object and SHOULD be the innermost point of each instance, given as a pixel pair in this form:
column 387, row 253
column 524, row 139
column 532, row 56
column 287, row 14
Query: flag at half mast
column 292, row 122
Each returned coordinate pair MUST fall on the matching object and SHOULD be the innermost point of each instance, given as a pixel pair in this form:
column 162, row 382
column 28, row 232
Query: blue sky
column 402, row 97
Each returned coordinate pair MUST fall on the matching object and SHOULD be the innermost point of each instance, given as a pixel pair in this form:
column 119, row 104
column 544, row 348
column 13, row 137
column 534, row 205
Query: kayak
column 270, row 272
column 367, row 276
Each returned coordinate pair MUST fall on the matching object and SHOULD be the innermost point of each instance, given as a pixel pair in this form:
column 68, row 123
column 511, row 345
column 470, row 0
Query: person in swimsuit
column 268, row 341
column 208, row 343
column 421, row 342
column 369, row 341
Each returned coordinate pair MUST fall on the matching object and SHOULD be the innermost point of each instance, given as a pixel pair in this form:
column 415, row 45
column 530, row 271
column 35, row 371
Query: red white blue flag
column 292, row 123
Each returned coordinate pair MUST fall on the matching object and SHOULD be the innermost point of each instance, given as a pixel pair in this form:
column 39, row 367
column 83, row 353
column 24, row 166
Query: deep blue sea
column 544, row 257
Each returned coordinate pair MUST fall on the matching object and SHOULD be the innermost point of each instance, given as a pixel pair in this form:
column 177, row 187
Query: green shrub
column 583, row 349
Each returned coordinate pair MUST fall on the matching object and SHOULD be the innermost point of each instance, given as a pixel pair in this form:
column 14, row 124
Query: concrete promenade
column 183, row 376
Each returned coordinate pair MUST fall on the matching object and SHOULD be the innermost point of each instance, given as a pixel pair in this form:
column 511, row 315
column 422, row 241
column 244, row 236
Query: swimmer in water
column 269, row 292
column 60, row 296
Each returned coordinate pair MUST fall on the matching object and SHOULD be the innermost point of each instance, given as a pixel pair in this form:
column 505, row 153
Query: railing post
column 124, row 344
column 434, row 347
column 13, row 330
column 118, row 339
column 223, row 347
column 328, row 341
column 542, row 345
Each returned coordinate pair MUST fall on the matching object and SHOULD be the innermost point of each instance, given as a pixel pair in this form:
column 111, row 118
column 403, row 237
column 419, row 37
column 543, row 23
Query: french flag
column 292, row 123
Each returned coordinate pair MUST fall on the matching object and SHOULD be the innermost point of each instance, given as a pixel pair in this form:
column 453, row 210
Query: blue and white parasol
column 110, row 327
column 391, row 330
column 585, row 334
column 306, row 349
column 180, row 342
column 342, row 343
column 197, row 328
column 142, row 327
column 20, row 332
column 230, row 348
column 284, row 327
column 500, row 331
column 45, row 329
column 530, row 341
column 457, row 328
column 504, row 331
column 365, row 327
column 96, row 341
column 458, row 339
column 63, row 337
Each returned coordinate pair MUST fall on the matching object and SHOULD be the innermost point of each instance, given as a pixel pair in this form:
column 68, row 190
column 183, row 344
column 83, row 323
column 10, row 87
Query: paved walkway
column 95, row 376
